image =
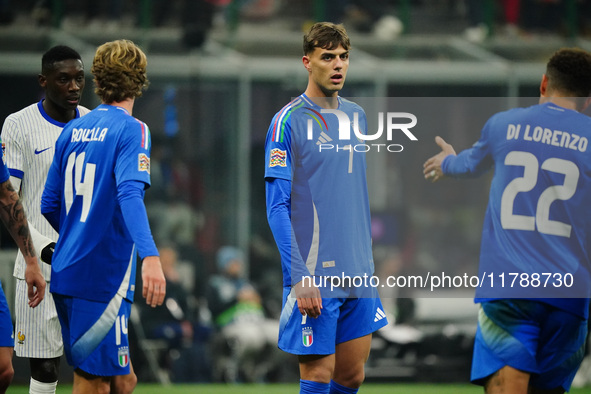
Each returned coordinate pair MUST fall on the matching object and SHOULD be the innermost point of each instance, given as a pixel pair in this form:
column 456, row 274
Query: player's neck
column 320, row 96
column 57, row 113
column 126, row 104
column 322, row 100
column 561, row 101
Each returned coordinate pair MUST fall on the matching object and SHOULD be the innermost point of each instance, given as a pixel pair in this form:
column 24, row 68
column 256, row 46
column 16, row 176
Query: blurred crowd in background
column 476, row 20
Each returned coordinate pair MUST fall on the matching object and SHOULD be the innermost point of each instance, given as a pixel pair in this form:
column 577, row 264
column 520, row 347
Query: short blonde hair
column 119, row 69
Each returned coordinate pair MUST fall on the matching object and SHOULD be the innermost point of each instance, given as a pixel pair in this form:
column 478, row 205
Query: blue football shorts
column 341, row 320
column 530, row 336
column 6, row 329
column 95, row 334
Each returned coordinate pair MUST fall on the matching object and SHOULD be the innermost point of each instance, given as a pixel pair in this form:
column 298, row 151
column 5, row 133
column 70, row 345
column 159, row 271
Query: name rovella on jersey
column 89, row 135
column 562, row 139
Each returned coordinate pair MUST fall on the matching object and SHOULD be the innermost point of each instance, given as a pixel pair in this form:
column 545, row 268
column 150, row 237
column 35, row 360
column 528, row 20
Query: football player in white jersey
column 29, row 137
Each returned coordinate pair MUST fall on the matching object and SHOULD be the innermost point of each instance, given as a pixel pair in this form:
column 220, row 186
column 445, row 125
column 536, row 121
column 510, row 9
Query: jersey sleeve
column 52, row 193
column 130, row 195
column 471, row 162
column 279, row 217
column 4, row 175
column 13, row 147
column 40, row 241
column 133, row 157
column 278, row 147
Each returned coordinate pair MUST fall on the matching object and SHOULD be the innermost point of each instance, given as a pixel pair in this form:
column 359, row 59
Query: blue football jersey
column 4, row 174
column 95, row 256
column 329, row 204
column 537, row 222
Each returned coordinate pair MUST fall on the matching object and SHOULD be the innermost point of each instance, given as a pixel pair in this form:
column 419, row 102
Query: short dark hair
column 569, row 71
column 326, row 35
column 57, row 54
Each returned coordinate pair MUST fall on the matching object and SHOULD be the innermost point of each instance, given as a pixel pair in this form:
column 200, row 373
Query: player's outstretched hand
column 35, row 282
column 308, row 298
column 154, row 288
column 432, row 167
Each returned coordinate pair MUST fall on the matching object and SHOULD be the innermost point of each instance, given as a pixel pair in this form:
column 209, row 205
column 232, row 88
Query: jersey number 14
column 76, row 187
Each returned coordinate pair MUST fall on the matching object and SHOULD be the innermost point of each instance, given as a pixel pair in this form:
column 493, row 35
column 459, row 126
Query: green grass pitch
column 368, row 388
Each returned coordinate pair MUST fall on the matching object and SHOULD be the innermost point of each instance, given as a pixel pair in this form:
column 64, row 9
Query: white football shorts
column 37, row 331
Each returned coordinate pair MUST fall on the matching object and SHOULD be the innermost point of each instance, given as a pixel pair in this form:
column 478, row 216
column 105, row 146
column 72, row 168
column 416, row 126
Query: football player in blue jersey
column 318, row 211
column 530, row 336
column 13, row 216
column 94, row 199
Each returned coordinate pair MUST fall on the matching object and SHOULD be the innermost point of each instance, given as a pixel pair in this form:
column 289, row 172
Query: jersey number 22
column 527, row 182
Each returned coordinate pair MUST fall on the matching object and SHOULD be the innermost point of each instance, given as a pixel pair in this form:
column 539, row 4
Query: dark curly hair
column 569, row 71
column 119, row 69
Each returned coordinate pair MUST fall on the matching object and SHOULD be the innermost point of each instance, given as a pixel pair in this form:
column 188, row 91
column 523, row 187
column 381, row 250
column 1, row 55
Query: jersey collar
column 106, row 107
column 311, row 103
column 49, row 118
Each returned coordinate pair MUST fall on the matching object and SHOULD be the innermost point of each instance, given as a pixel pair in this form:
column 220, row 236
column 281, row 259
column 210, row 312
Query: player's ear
column 306, row 61
column 544, row 86
column 42, row 80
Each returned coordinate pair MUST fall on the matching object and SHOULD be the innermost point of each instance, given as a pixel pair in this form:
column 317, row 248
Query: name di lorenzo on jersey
column 562, row 139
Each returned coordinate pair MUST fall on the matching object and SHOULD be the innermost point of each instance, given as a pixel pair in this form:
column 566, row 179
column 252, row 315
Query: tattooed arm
column 13, row 216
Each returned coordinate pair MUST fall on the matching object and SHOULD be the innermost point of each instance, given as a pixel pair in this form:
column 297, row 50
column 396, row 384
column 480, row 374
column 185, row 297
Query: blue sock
column 336, row 388
column 309, row 387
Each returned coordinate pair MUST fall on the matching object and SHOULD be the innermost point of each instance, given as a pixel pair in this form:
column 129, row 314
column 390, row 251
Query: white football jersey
column 28, row 139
